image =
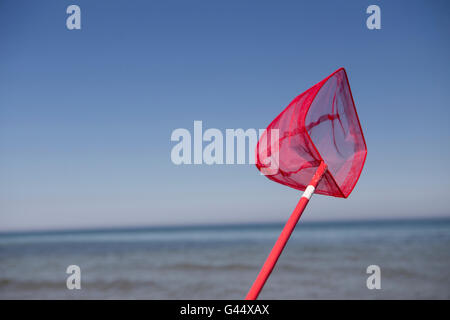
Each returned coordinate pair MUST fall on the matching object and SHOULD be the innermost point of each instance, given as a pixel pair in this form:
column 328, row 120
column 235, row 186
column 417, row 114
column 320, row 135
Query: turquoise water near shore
column 321, row 261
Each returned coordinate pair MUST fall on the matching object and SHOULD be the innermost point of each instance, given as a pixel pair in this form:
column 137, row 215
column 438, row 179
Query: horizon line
column 206, row 225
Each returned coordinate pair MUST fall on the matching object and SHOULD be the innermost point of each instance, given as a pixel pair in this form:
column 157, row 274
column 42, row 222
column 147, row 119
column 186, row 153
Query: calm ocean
column 321, row 261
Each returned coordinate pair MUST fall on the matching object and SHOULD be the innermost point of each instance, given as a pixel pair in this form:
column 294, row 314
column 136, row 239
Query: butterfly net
column 320, row 124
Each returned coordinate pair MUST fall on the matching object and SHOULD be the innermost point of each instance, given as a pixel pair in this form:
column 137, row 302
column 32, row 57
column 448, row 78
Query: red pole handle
column 272, row 259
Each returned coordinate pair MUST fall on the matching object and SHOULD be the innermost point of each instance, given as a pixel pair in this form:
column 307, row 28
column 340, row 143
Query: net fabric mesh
column 320, row 124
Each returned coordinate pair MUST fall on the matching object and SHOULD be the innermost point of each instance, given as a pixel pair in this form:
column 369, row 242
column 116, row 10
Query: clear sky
column 86, row 115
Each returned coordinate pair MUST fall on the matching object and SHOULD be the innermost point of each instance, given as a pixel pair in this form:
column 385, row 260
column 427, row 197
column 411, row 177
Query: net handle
column 277, row 249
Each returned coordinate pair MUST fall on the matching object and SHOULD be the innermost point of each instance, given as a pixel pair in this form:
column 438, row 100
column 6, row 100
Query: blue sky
column 86, row 115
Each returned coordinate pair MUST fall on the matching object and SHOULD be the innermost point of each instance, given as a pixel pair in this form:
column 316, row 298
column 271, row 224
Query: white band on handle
column 308, row 192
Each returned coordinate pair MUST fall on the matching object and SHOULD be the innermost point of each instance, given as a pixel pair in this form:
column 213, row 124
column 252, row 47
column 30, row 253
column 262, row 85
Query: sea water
column 321, row 261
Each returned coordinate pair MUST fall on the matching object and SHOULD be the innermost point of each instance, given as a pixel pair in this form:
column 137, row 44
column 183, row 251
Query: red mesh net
column 320, row 124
